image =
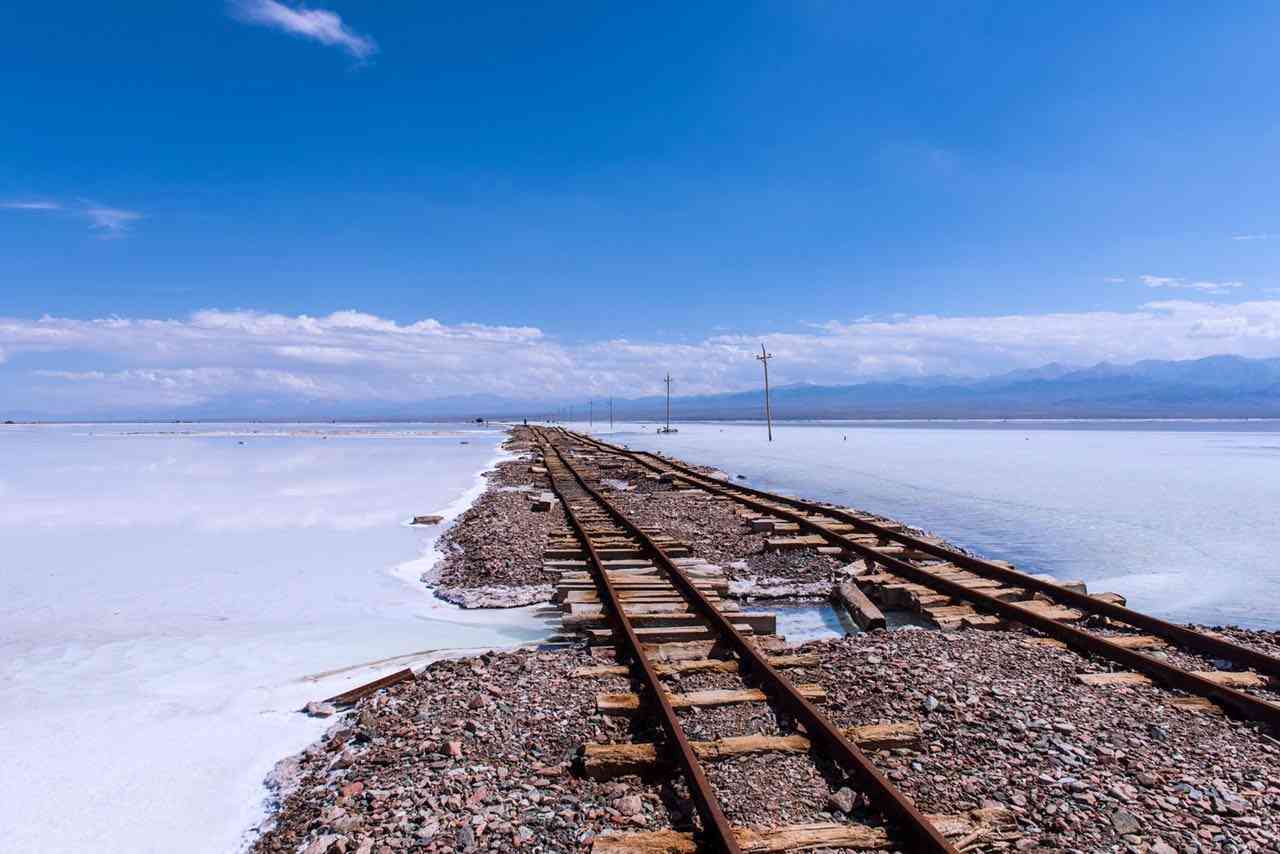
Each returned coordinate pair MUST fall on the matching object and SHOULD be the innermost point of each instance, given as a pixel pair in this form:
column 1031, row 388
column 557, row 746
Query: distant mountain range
column 1213, row 387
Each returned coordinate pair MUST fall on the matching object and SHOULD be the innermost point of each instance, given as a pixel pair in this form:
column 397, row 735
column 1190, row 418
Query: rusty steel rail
column 716, row 830
column 1237, row 702
column 896, row 806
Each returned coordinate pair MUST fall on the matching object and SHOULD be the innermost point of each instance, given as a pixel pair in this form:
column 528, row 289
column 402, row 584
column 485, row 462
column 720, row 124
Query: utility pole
column 764, row 358
column 668, row 382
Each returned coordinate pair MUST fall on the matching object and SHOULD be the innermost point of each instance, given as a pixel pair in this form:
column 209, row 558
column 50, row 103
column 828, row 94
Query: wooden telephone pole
column 668, row 428
column 764, row 358
column 668, row 382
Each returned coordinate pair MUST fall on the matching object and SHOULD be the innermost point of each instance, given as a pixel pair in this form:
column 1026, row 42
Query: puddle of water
column 807, row 622
column 800, row 623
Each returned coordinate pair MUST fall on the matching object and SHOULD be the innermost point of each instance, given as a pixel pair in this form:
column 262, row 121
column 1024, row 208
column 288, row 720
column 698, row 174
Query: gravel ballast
column 477, row 754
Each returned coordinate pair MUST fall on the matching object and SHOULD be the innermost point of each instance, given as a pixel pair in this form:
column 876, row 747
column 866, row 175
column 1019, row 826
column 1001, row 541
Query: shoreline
column 411, row 571
column 278, row 781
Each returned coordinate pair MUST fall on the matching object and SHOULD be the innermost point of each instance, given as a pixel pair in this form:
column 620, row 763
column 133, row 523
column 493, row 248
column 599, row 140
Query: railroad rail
column 597, row 522
column 855, row 534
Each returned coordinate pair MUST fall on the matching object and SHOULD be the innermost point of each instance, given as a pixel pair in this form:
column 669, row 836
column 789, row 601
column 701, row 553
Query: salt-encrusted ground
column 168, row 601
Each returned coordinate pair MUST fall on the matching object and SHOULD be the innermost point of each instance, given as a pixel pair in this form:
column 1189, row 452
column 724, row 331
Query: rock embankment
column 479, row 755
column 491, row 557
column 474, row 754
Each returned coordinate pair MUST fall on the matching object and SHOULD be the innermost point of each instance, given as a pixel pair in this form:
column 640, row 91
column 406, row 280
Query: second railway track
column 990, row 595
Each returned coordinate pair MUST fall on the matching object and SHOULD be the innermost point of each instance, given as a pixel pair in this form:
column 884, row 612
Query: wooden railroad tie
column 1225, row 678
column 690, row 650
column 1126, row 641
column 697, row 665
column 665, row 634
column 864, row 613
column 628, row 704
column 965, row 829
column 607, row 761
column 761, row 623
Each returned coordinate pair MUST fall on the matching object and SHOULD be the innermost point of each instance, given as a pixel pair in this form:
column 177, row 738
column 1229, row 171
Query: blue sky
column 582, row 195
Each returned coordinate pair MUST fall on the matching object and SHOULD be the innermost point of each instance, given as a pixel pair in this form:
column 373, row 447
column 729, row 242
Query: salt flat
column 1179, row 516
column 167, row 593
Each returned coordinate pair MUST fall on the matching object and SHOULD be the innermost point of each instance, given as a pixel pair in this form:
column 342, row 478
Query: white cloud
column 1255, row 236
column 1178, row 284
column 107, row 221
column 1114, row 280
column 31, row 206
column 110, row 222
column 265, row 362
column 319, row 25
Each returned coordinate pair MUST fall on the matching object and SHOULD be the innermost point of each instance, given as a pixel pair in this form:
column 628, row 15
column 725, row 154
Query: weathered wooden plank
column 944, row 612
column 664, row 634
column 860, row 608
column 684, row 651
column 983, row 621
column 1234, row 679
column 1048, row 643
column 1202, row 705
column 347, row 698
column 629, row 704
column 669, row 595
column 607, row 761
column 1122, row 678
column 797, row 837
column 807, row 541
column 720, row 665
column 764, row 623
column 1050, row 610
column 649, row 574
column 1225, row 678
column 1137, row 641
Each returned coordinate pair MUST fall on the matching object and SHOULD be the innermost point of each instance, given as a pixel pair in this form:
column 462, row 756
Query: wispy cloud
column 31, row 206
column 108, row 222
column 1255, row 236
column 319, row 25
column 1114, row 280
column 262, row 362
column 1202, row 286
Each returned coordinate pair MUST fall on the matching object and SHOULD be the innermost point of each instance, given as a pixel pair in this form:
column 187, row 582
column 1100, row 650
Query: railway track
column 987, row 595
column 636, row 583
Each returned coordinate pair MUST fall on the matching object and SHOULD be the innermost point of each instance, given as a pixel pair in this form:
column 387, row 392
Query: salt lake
column 172, row 594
